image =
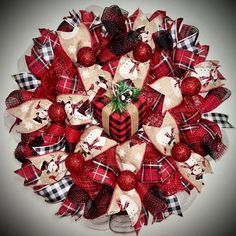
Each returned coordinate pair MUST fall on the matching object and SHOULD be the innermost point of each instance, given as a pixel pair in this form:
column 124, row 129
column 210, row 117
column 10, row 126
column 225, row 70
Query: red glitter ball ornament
column 56, row 112
column 190, row 86
column 74, row 163
column 86, row 57
column 143, row 52
column 181, row 152
column 127, row 180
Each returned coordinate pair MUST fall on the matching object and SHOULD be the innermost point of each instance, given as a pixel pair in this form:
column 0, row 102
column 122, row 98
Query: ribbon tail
column 218, row 118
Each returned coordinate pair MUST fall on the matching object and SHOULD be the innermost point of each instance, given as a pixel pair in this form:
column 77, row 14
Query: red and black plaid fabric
column 84, row 182
column 46, row 35
column 214, row 98
column 162, row 64
column 202, row 53
column 72, row 134
column 111, row 67
column 99, row 206
column 30, row 173
column 36, row 63
column 154, row 201
column 184, row 59
column 104, row 174
column 187, row 185
column 17, row 97
column 69, row 208
column 159, row 171
column 119, row 124
column 142, row 220
column 204, row 138
column 173, row 185
column 67, row 85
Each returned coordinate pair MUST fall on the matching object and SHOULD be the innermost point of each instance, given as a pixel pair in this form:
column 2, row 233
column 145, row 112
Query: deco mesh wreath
column 114, row 115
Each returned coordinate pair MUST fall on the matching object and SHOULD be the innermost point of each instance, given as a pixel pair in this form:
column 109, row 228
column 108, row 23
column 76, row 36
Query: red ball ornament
column 127, row 180
column 143, row 52
column 190, row 86
column 86, row 56
column 181, row 152
column 56, row 112
column 74, row 163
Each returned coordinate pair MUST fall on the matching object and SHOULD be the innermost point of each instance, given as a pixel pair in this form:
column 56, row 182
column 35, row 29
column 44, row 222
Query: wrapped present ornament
column 121, row 112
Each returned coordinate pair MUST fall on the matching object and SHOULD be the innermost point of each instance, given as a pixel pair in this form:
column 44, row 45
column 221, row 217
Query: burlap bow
column 133, row 201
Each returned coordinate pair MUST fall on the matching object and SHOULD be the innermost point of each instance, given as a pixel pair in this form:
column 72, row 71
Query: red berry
column 128, row 93
column 127, row 180
column 74, row 163
column 86, row 56
column 56, row 112
column 181, row 152
column 190, row 86
column 143, row 52
column 122, row 98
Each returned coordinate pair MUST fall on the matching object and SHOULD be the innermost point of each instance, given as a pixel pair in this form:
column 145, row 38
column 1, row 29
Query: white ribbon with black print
column 173, row 206
column 41, row 150
column 188, row 42
column 26, row 81
column 47, row 51
column 56, row 192
column 218, row 118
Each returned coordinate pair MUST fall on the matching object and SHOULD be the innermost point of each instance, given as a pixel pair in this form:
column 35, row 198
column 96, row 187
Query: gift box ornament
column 120, row 111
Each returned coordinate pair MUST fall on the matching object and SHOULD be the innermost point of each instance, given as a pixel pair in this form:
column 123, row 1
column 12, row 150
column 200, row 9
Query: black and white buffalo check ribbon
column 219, row 118
column 74, row 19
column 173, row 206
column 26, row 81
column 47, row 51
column 188, row 42
column 41, row 150
column 56, row 192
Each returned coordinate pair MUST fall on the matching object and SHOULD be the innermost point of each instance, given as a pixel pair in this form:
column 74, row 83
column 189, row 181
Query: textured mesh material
column 100, row 204
column 154, row 201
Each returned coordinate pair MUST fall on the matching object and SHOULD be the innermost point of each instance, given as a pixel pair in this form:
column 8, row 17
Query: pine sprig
column 124, row 93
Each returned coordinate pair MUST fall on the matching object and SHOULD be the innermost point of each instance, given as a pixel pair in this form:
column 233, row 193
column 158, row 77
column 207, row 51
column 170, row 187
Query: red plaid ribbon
column 30, row 173
column 204, row 138
column 163, row 65
column 143, row 220
column 184, row 59
column 202, row 53
column 192, row 108
column 70, row 208
column 67, row 85
column 104, row 174
column 160, row 171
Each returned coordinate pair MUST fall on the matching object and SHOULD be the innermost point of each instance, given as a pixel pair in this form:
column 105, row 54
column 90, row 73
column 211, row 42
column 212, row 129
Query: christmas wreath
column 115, row 116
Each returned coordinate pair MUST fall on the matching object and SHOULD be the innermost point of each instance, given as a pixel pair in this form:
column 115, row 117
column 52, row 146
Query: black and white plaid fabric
column 173, row 206
column 26, row 81
column 189, row 42
column 219, row 118
column 47, row 51
column 41, row 150
column 74, row 19
column 56, row 192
